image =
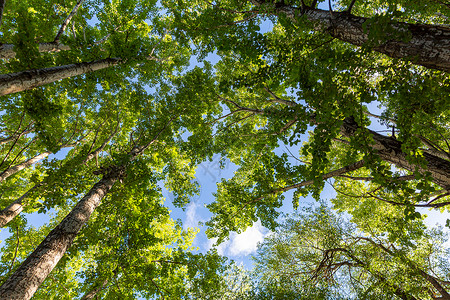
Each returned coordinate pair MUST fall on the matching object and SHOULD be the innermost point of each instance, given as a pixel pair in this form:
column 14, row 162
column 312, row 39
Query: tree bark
column 429, row 45
column 26, row 80
column 390, row 150
column 7, row 50
column 33, row 271
column 15, row 208
column 14, row 136
column 13, row 170
column 92, row 293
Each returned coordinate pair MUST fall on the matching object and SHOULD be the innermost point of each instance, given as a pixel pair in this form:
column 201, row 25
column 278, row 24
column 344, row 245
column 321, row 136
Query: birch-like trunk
column 26, row 80
column 7, row 50
column 429, row 45
column 14, row 169
column 15, row 208
column 390, row 150
column 33, row 271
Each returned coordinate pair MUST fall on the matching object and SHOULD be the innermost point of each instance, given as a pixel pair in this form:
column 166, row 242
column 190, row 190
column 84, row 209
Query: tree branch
column 15, row 252
column 279, row 100
column 350, row 7
column 328, row 175
column 66, row 21
column 2, row 8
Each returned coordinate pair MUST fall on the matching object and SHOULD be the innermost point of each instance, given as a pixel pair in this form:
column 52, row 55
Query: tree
column 112, row 118
column 270, row 88
column 318, row 249
column 320, row 71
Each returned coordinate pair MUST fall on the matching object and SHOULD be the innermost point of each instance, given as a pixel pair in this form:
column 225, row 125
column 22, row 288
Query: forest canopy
column 288, row 98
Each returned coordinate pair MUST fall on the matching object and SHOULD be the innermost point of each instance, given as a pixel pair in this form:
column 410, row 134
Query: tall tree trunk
column 67, row 20
column 13, row 170
column 26, row 80
column 429, row 45
column 390, row 150
column 7, row 50
column 33, row 271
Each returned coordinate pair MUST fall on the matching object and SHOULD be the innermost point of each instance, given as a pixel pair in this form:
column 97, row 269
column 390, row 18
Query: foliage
column 288, row 100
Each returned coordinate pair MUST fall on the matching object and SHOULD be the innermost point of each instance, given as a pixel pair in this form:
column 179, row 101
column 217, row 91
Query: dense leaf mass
column 101, row 112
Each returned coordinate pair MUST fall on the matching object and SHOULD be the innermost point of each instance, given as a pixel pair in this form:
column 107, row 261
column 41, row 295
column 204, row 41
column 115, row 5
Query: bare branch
column 379, row 117
column 256, row 111
column 102, row 146
column 402, row 178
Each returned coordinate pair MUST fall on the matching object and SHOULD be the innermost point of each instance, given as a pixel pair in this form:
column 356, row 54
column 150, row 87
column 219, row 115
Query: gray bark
column 26, row 80
column 15, row 208
column 429, row 45
column 14, row 169
column 14, row 136
column 390, row 150
column 92, row 293
column 7, row 50
column 33, row 271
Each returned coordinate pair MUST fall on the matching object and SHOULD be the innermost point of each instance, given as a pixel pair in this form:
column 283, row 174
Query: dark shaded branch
column 2, row 8
column 350, row 7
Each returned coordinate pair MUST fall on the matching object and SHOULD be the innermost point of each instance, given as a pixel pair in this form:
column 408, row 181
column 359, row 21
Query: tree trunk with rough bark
column 26, row 80
column 7, row 50
column 428, row 45
column 390, row 150
column 38, row 265
column 2, row 8
column 33, row 271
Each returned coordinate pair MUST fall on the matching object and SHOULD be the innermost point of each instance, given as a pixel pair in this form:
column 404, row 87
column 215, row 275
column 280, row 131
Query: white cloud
column 241, row 244
column 221, row 249
column 247, row 242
